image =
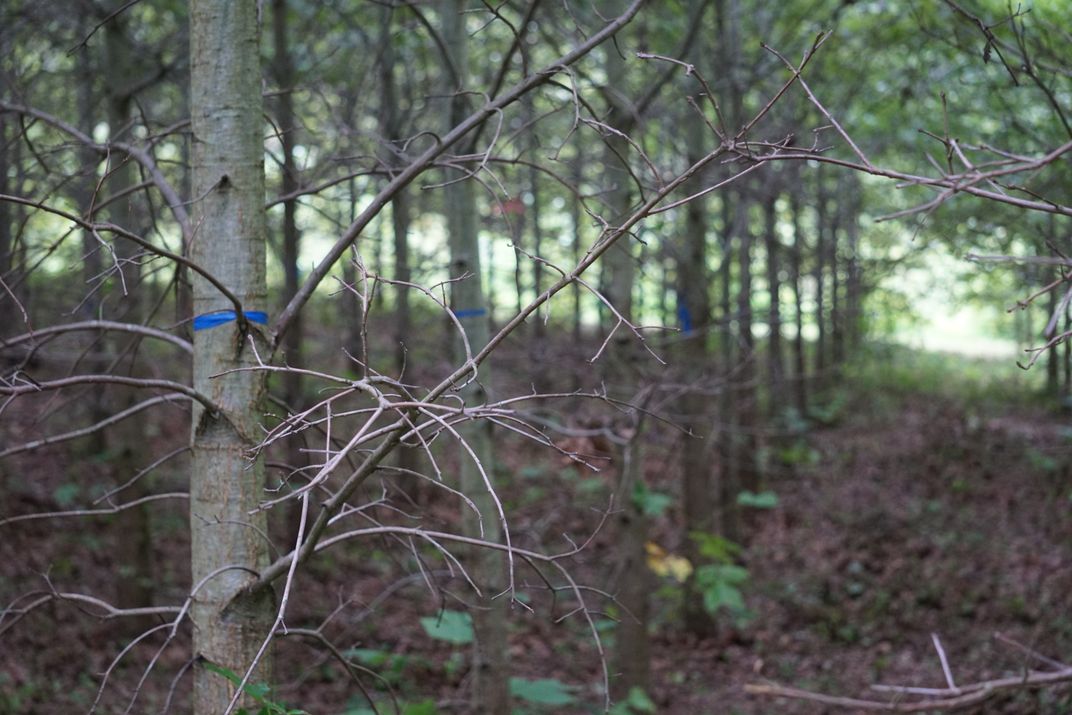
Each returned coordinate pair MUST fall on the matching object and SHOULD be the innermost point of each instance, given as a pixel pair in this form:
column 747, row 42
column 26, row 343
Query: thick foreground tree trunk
column 228, row 549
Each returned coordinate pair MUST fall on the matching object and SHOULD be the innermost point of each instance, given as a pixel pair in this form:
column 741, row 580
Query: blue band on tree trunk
column 212, row 320
column 470, row 313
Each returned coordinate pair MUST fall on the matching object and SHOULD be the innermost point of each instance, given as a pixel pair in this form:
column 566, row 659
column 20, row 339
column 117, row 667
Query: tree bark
column 227, row 546
column 618, row 264
column 283, row 69
column 837, row 325
column 800, row 365
column 728, row 484
column 9, row 313
column 821, row 219
column 491, row 694
column 775, row 359
column 745, row 394
column 135, row 585
column 632, row 580
column 727, row 22
column 577, row 174
column 853, row 289
column 693, row 281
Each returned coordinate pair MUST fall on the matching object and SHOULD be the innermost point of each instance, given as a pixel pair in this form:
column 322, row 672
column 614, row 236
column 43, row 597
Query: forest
column 416, row 357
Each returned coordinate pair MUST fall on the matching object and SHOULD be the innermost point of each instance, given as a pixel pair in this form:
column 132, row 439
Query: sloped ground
column 911, row 514
column 924, row 517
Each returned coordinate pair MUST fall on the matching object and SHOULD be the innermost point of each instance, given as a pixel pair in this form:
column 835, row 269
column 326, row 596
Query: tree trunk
column 538, row 353
column 618, row 264
column 746, row 423
column 837, row 327
column 353, row 311
column 10, row 319
column 800, row 365
column 698, row 505
column 853, row 297
column 490, row 673
column 727, row 60
column 227, row 546
column 1053, row 384
column 820, row 278
column 727, row 488
column 693, row 281
column 576, row 213
column 1067, row 355
column 775, row 360
column 134, row 587
column 632, row 581
column 283, row 69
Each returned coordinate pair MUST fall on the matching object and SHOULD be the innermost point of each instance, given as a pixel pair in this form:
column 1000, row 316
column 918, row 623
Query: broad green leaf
column 715, row 547
column 652, row 504
column 451, row 626
column 424, row 707
column 762, row 500
column 545, row 691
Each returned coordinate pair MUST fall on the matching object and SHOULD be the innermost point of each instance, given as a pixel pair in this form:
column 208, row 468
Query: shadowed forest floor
column 912, row 511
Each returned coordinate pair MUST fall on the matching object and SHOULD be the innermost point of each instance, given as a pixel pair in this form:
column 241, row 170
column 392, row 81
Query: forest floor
column 922, row 502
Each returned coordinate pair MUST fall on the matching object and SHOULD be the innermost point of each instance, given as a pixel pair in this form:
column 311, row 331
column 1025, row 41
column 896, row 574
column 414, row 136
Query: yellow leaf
column 665, row 564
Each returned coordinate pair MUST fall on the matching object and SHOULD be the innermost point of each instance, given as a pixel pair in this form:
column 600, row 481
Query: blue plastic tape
column 685, row 317
column 470, row 313
column 213, row 320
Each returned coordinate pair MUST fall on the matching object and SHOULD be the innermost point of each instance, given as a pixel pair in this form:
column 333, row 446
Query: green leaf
column 719, row 584
column 652, row 504
column 258, row 691
column 715, row 547
column 424, row 707
column 65, row 495
column 545, row 691
column 763, row 500
column 451, row 626
column 635, row 703
column 220, row 670
column 532, row 472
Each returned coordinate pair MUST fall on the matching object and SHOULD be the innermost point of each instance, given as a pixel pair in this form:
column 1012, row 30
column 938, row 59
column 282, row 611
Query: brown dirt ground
column 919, row 516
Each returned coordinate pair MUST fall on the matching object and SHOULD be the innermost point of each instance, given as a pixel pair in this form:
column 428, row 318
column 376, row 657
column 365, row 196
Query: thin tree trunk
column 491, row 694
column 409, row 458
column 575, row 220
column 727, row 61
column 354, row 317
column 853, row 312
column 693, row 282
column 283, row 69
column 775, row 360
column 800, row 365
column 9, row 313
column 537, row 345
column 728, row 484
column 746, row 423
column 632, row 580
column 135, row 586
column 227, row 546
column 820, row 278
column 631, row 654
column 400, row 205
column 1053, row 384
column 618, row 265
column 698, row 504
column 837, row 328
column 517, row 233
column 1067, row 355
